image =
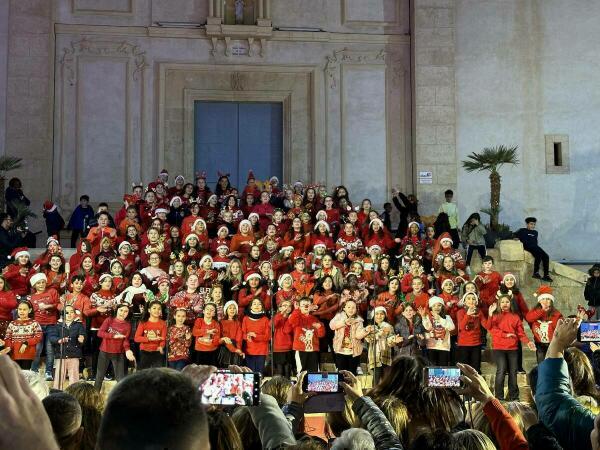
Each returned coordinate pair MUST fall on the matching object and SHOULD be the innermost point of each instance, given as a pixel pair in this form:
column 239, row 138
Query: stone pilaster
column 434, row 99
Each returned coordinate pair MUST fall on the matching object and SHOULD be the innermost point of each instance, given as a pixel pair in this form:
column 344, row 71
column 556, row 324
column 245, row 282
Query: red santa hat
column 49, row 206
column 319, row 244
column 51, row 239
column 374, row 247
column 163, row 279
column 253, row 214
column 508, row 275
column 197, row 221
column 211, row 197
column 104, row 277
column 19, row 251
column 190, row 236
column 124, row 244
column 446, row 239
column 287, row 247
column 223, row 227
column 283, row 277
column 340, row 250
column 36, row 278
column 251, row 274
column 448, row 280
column 321, row 215
column 321, row 222
column 250, row 176
column 177, row 197
column 544, row 291
column 376, row 220
column 226, row 247
column 435, row 300
column 205, row 258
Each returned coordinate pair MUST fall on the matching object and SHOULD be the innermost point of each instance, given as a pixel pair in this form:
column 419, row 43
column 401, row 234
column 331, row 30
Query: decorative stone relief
column 353, row 57
column 101, row 48
column 238, row 81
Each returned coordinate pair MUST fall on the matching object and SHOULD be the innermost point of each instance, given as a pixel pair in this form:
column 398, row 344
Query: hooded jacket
column 592, row 287
column 71, row 348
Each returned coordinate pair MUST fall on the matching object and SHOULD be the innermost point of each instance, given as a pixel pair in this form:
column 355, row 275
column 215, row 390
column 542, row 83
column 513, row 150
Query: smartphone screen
column 321, row 382
column 442, row 377
column 230, row 389
column 589, row 332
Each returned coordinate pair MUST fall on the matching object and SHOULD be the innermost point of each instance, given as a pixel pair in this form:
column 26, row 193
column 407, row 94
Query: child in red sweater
column 506, row 328
column 417, row 297
column 488, row 281
column 22, row 336
column 179, row 339
column 151, row 334
column 19, row 273
column 256, row 331
column 469, row 318
column 208, row 335
column 307, row 331
column 8, row 302
column 114, row 333
column 543, row 319
column 45, row 303
column 231, row 336
column 282, row 341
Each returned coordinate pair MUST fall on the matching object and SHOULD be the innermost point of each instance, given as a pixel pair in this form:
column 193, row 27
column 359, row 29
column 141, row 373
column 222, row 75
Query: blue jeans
column 44, row 343
column 179, row 364
column 256, row 362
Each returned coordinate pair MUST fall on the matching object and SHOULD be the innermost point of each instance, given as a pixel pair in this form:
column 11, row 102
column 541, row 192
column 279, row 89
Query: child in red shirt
column 230, row 351
column 283, row 357
column 543, row 319
column 151, row 334
column 208, row 334
column 8, row 302
column 256, row 331
column 45, row 303
column 114, row 333
column 417, row 297
column 488, row 281
column 22, row 336
column 469, row 318
column 307, row 331
column 179, row 340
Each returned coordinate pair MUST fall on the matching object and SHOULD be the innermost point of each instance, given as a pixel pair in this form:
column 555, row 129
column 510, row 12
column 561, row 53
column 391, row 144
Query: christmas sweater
column 144, row 328
column 179, row 344
column 111, row 327
column 45, row 316
column 98, row 299
column 209, row 331
column 306, row 336
column 21, row 332
column 258, row 345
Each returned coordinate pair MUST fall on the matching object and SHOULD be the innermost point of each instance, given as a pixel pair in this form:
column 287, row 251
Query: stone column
column 435, row 112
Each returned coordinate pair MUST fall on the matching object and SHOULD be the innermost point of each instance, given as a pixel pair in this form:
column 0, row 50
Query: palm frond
column 22, row 213
column 9, row 163
column 491, row 159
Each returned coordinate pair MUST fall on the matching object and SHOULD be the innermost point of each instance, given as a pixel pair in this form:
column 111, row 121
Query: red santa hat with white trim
column 544, row 291
column 251, row 274
column 19, row 251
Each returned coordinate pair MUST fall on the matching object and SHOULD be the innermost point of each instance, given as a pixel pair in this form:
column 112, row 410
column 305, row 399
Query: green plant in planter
column 491, row 159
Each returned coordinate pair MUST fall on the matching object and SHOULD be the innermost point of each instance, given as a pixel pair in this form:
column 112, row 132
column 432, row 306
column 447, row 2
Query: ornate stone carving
column 238, row 81
column 101, row 48
column 350, row 56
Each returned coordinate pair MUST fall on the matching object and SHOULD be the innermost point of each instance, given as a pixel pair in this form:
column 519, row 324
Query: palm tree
column 7, row 163
column 491, row 159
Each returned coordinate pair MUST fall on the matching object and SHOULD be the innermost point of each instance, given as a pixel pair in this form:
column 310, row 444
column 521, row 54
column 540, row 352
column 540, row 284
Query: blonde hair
column 277, row 387
column 474, row 440
column 395, row 410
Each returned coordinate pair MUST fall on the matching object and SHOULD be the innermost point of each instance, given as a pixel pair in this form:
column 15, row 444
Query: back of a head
column 395, row 411
column 581, row 373
column 92, row 405
column 474, row 440
column 154, row 409
column 436, row 440
column 37, row 383
column 64, row 413
column 278, row 388
column 222, row 432
column 354, row 439
column 245, row 426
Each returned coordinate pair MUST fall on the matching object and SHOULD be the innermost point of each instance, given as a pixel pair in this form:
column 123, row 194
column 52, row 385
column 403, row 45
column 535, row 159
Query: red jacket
column 487, row 291
column 18, row 283
column 451, row 305
column 107, row 331
column 306, row 336
column 542, row 325
column 8, row 302
column 246, row 296
column 141, row 335
column 505, row 429
column 21, row 332
column 282, row 340
column 421, row 300
column 47, row 316
column 201, row 330
column 502, row 325
column 258, row 345
column 469, row 328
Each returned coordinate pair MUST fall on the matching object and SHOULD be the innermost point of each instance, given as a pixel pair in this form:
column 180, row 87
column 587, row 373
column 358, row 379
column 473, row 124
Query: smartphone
column 442, row 377
column 589, row 332
column 231, row 389
column 321, row 382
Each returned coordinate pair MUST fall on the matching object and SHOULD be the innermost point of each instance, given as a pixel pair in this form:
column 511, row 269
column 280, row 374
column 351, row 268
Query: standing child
column 379, row 339
column 8, row 303
column 488, row 281
column 22, row 336
column 543, row 319
column 438, row 325
column 417, row 297
column 409, row 332
column 256, row 331
column 208, row 335
column 67, row 336
column 451, row 209
column 592, row 290
column 283, row 356
column 230, row 351
column 506, row 328
column 179, row 338
column 349, row 334
column 151, row 334
column 45, row 303
column 509, row 286
column 469, row 319
column 307, row 331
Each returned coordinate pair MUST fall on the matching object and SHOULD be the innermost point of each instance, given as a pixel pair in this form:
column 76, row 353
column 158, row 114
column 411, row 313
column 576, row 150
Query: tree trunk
column 494, row 199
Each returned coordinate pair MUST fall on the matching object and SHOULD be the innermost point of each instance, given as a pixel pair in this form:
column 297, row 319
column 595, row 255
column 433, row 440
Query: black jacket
column 71, row 348
column 9, row 240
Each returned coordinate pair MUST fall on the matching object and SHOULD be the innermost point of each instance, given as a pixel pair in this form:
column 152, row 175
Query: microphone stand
column 167, row 336
column 62, row 350
column 273, row 312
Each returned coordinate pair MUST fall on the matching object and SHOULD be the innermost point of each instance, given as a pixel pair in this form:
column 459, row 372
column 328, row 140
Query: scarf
column 255, row 316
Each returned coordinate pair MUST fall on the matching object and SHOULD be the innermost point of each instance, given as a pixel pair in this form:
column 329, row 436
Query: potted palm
column 7, row 163
column 491, row 159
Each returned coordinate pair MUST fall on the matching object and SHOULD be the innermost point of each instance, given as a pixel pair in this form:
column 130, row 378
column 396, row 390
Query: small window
column 557, row 153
